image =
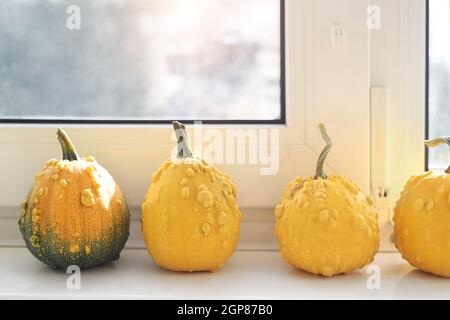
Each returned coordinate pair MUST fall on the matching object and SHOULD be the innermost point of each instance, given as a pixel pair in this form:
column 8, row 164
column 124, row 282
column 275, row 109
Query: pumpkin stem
column 323, row 155
column 68, row 150
column 437, row 142
column 183, row 146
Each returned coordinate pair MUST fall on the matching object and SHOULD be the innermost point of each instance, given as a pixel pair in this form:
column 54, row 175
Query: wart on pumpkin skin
column 185, row 192
column 206, row 199
column 87, row 198
column 190, row 172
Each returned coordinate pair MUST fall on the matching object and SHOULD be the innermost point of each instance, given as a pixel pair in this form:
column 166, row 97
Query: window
column 439, row 79
column 142, row 61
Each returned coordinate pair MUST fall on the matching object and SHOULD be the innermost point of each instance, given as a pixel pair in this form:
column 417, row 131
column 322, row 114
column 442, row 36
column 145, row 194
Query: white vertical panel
column 338, row 85
column 379, row 116
column 398, row 63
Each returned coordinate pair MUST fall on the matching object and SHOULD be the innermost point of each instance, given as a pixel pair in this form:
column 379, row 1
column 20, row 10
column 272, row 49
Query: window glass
column 140, row 59
column 439, row 79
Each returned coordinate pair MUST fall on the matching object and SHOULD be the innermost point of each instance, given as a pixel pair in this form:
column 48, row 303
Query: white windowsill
column 247, row 275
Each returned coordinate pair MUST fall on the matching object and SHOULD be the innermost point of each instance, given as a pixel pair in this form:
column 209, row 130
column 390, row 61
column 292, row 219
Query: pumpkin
column 422, row 219
column 75, row 214
column 190, row 218
column 326, row 225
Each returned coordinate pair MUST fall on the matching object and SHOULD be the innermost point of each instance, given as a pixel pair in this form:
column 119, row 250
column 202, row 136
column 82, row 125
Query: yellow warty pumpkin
column 422, row 219
column 326, row 225
column 75, row 213
column 190, row 218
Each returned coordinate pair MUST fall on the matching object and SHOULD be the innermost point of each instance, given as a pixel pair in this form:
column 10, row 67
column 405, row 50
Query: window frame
column 280, row 121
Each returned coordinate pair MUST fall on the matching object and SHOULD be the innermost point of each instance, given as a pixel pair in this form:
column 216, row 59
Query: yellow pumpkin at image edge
column 190, row 218
column 422, row 219
column 326, row 225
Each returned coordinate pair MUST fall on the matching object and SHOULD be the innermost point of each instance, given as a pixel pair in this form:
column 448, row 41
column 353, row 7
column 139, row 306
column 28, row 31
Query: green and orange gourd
column 75, row 213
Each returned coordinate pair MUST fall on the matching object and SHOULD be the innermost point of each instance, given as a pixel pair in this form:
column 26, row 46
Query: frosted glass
column 140, row 59
column 439, row 81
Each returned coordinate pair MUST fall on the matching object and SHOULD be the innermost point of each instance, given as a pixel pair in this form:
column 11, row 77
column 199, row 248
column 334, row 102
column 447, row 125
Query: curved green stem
column 183, row 146
column 437, row 142
column 67, row 148
column 323, row 155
